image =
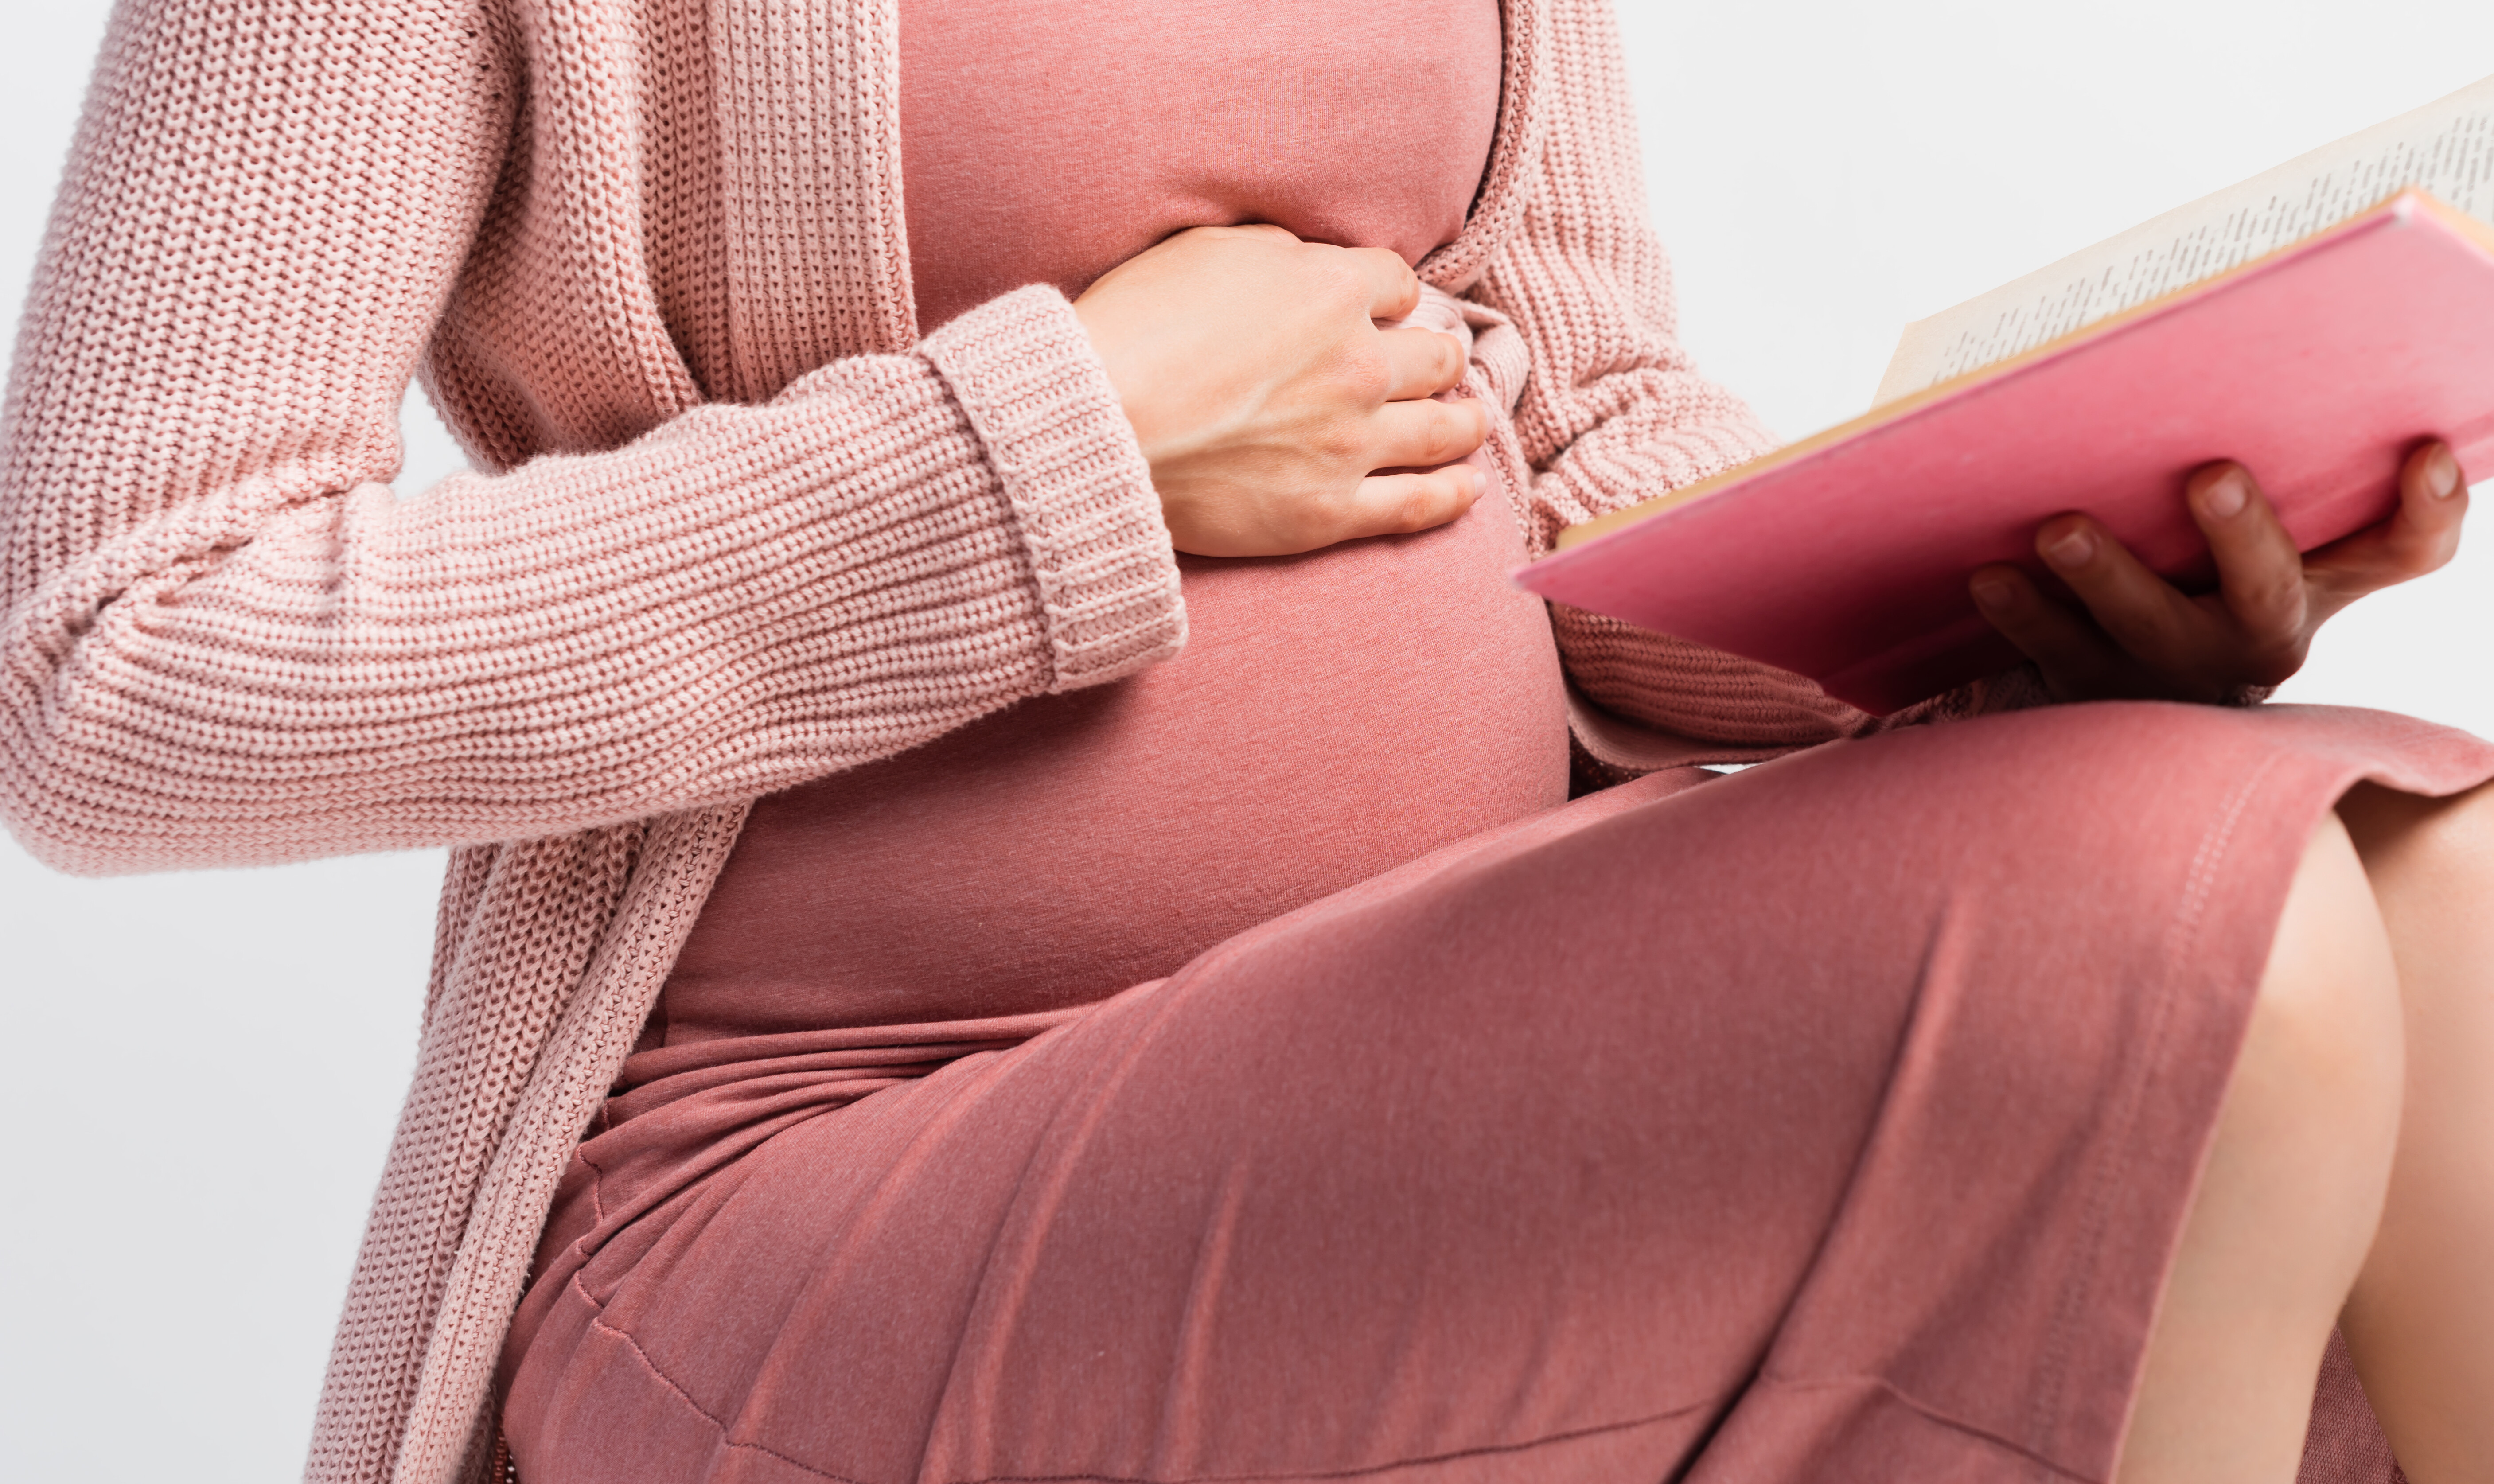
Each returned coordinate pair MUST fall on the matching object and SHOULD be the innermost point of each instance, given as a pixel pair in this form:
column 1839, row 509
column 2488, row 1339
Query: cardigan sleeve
column 224, row 638
column 1614, row 411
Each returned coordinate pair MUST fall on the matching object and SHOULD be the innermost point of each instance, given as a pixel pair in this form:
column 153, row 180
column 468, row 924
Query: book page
column 2446, row 148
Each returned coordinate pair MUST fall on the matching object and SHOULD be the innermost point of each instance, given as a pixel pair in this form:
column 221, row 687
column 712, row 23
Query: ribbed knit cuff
column 1041, row 404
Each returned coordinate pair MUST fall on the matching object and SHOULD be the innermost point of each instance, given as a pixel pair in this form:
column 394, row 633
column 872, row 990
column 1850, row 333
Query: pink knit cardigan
column 738, row 524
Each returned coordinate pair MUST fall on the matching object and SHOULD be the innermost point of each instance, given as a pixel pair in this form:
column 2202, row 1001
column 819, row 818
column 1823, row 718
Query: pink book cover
column 1845, row 557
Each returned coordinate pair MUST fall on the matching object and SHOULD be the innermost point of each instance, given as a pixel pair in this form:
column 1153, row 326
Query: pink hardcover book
column 1845, row 557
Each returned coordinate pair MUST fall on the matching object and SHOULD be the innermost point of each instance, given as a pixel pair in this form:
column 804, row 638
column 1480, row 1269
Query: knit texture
column 227, row 640
column 736, row 526
column 1614, row 411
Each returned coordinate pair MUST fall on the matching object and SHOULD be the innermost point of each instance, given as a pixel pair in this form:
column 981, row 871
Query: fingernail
column 2442, row 473
column 2071, row 549
column 2226, row 494
column 1476, row 480
column 1995, row 591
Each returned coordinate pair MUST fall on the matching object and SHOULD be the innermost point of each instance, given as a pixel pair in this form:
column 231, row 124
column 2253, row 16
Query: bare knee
column 2316, row 1091
column 2294, row 1186
column 2327, row 1025
column 2292, row 1195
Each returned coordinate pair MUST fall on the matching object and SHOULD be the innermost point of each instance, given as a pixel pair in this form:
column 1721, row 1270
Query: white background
column 202, row 1070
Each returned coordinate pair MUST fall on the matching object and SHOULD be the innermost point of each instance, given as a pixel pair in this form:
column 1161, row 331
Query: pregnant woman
column 1015, row 911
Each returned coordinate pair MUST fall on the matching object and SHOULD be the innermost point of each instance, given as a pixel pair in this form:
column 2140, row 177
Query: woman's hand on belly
column 1267, row 399
column 2142, row 638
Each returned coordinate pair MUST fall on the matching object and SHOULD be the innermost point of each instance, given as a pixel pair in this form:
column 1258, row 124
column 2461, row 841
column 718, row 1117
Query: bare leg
column 2290, row 1199
column 2420, row 1324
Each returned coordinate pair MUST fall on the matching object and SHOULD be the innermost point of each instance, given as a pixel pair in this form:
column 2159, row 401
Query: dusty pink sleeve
column 227, row 640
column 1614, row 412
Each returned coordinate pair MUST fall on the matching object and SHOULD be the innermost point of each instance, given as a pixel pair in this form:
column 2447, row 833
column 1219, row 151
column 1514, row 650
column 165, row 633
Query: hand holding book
column 2274, row 324
column 2141, row 637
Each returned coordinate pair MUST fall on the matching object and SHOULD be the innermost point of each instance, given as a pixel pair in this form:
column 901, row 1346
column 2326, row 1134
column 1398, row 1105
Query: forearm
column 746, row 598
column 224, row 639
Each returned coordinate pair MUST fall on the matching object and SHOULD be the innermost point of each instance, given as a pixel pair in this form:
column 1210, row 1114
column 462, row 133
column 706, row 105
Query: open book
column 2315, row 322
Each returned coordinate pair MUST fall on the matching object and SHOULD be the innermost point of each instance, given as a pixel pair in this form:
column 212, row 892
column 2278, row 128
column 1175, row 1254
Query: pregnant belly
column 1331, row 717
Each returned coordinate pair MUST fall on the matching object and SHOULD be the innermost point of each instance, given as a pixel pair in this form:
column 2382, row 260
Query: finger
column 1393, row 288
column 2078, row 661
column 1387, row 504
column 2141, row 613
column 2422, row 535
column 1421, row 363
column 2260, row 572
column 1425, row 433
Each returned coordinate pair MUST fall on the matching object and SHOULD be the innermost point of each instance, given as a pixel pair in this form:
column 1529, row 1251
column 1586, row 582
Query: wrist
column 1045, row 413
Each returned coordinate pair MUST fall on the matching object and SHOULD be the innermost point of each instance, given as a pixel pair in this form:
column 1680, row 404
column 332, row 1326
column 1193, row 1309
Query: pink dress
column 1256, row 1069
